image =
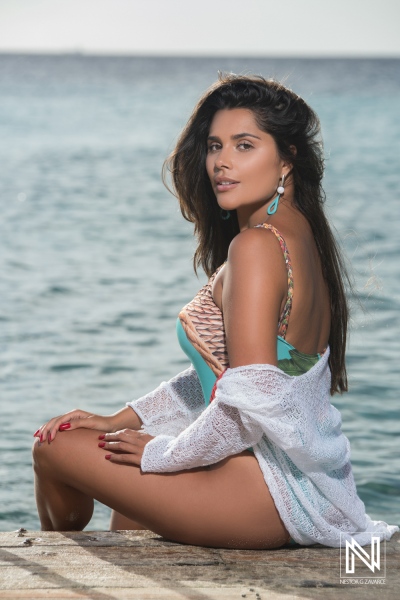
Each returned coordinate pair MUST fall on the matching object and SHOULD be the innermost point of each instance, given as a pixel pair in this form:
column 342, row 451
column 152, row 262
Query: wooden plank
column 140, row 564
column 157, row 594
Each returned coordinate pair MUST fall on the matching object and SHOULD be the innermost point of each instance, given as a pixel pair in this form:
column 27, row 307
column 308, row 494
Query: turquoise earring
column 226, row 216
column 273, row 207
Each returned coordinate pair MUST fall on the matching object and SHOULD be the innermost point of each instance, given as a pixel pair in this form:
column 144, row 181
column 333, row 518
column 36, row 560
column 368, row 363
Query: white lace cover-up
column 295, row 433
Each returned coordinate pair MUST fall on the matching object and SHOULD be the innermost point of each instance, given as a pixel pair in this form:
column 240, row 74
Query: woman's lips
column 226, row 186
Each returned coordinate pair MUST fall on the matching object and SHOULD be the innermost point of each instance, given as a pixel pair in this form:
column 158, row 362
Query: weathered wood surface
column 141, row 565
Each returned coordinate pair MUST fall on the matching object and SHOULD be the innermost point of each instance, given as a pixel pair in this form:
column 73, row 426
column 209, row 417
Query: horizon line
column 168, row 54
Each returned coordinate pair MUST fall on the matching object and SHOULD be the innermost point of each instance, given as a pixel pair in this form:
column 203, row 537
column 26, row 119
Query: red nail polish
column 64, row 426
column 102, row 444
column 41, row 438
column 36, row 432
column 107, row 456
column 101, row 437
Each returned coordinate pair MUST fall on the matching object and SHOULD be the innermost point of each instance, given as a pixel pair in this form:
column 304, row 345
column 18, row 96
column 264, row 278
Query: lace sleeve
column 173, row 406
column 217, row 433
column 254, row 402
column 295, row 413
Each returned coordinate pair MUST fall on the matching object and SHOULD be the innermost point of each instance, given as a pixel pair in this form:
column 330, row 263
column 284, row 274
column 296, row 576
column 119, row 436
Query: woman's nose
column 222, row 161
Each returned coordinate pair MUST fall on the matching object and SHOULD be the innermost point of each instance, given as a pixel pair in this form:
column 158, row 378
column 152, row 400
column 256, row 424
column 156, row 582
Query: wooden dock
column 139, row 564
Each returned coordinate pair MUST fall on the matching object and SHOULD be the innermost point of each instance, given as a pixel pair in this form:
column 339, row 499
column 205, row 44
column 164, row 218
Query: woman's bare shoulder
column 253, row 248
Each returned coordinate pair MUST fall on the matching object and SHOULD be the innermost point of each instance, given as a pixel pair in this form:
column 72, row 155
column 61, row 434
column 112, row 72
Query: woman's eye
column 213, row 147
column 245, row 145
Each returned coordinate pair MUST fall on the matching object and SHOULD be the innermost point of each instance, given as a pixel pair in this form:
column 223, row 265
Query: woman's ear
column 288, row 164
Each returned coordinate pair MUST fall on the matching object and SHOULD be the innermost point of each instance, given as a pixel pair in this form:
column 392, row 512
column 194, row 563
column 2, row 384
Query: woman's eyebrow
column 240, row 135
column 237, row 136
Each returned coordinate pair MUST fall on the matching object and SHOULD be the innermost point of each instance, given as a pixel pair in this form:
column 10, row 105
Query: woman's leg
column 225, row 505
column 118, row 521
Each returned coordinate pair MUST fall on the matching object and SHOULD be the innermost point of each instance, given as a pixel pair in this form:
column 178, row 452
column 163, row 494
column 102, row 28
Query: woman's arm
column 254, row 292
column 217, row 433
column 173, row 406
column 169, row 408
column 77, row 419
column 254, row 288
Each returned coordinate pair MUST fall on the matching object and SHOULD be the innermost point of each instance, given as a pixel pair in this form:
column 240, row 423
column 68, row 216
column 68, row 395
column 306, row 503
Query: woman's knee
column 44, row 455
column 39, row 456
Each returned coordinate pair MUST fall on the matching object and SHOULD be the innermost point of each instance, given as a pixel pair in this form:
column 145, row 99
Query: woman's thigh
column 225, row 505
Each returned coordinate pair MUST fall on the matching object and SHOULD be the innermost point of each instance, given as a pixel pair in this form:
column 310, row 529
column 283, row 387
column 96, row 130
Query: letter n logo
column 354, row 549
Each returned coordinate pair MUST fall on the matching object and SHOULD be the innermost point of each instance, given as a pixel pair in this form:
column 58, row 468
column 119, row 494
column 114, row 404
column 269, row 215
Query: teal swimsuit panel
column 290, row 360
column 205, row 374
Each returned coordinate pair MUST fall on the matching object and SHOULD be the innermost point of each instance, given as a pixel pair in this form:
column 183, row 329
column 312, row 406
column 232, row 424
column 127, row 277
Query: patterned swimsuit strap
column 284, row 318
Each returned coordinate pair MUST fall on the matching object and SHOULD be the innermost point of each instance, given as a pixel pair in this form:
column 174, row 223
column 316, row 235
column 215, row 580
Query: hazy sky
column 237, row 27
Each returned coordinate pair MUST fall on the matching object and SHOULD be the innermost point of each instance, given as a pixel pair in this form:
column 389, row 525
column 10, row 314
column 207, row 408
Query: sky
column 203, row 27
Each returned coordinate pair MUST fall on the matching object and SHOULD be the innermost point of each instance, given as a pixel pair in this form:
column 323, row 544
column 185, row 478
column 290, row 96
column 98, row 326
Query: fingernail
column 101, row 437
column 36, row 432
column 64, row 426
column 107, row 456
column 102, row 444
column 41, row 439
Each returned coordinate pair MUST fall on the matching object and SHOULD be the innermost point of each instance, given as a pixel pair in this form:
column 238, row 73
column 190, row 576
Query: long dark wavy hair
column 291, row 122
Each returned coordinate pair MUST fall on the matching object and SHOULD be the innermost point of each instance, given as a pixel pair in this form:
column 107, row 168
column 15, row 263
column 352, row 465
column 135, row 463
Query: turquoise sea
column 96, row 260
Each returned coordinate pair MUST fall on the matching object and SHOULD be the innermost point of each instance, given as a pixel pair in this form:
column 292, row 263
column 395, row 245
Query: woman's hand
column 77, row 419
column 127, row 446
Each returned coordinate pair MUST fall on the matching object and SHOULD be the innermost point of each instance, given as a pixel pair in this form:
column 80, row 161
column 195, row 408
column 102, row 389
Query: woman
column 243, row 449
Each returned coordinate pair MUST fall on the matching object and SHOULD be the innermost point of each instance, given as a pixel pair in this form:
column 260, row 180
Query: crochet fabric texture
column 295, row 433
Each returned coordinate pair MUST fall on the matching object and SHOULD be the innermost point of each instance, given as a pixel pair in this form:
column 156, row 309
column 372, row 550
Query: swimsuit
column 200, row 330
column 201, row 334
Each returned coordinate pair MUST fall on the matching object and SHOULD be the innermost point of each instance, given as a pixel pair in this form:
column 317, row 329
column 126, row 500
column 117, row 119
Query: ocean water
column 96, row 260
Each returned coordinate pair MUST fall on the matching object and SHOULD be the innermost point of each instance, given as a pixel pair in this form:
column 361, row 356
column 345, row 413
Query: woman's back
column 309, row 318
column 309, row 324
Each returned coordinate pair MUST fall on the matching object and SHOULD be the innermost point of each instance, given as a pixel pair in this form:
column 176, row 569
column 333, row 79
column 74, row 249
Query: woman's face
column 242, row 161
